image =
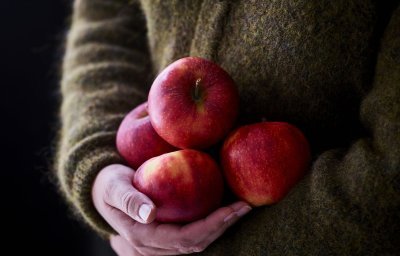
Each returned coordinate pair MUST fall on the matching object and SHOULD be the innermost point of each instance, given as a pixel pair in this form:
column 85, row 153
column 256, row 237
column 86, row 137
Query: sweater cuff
column 83, row 163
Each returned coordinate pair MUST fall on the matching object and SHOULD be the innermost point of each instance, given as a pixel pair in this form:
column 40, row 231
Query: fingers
column 121, row 194
column 123, row 248
column 238, row 211
column 125, row 197
column 169, row 239
column 196, row 236
column 224, row 216
column 131, row 214
column 212, row 227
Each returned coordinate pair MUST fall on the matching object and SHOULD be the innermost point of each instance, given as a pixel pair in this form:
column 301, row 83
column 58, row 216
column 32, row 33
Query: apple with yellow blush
column 185, row 185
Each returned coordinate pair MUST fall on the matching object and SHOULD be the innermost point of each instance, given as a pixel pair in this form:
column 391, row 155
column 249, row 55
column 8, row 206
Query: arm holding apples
column 348, row 197
column 104, row 73
column 187, row 185
column 131, row 214
column 101, row 77
column 348, row 203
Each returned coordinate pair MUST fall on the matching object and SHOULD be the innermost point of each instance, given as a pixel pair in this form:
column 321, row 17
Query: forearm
column 105, row 72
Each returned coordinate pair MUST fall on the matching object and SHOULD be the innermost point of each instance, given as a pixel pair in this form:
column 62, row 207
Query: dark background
column 34, row 217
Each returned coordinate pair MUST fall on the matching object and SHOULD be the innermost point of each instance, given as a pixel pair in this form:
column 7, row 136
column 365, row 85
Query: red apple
column 185, row 185
column 137, row 141
column 193, row 103
column 263, row 161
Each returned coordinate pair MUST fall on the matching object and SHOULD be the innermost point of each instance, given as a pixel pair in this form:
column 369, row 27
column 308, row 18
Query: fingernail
column 243, row 211
column 144, row 212
column 230, row 217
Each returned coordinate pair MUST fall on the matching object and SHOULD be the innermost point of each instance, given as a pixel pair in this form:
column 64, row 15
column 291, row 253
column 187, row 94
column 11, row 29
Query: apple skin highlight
column 263, row 161
column 185, row 185
column 193, row 103
column 137, row 141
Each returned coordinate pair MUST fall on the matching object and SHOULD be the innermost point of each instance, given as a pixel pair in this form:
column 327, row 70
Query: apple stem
column 197, row 95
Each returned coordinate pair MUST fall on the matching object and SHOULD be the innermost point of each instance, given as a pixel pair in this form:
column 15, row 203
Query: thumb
column 121, row 194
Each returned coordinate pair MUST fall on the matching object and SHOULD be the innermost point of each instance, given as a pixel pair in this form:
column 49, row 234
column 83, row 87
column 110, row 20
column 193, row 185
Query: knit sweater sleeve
column 349, row 202
column 104, row 75
column 356, row 191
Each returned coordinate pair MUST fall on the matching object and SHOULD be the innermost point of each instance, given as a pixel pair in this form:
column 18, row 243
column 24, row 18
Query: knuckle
column 129, row 201
column 198, row 248
column 191, row 249
column 109, row 190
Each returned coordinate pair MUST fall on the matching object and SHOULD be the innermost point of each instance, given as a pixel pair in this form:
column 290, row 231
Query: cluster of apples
column 192, row 105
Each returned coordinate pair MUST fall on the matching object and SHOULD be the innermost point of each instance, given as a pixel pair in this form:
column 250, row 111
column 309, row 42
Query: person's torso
column 309, row 63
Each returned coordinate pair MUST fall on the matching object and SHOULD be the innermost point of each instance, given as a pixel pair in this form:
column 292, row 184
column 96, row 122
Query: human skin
column 186, row 185
column 131, row 214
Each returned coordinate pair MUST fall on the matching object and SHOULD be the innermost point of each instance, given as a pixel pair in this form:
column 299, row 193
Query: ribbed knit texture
column 106, row 73
column 332, row 68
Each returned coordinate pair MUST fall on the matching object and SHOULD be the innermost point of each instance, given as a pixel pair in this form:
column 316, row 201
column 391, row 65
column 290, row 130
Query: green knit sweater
column 330, row 67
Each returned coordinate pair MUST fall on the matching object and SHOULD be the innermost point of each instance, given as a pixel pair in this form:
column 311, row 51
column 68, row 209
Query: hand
column 131, row 214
